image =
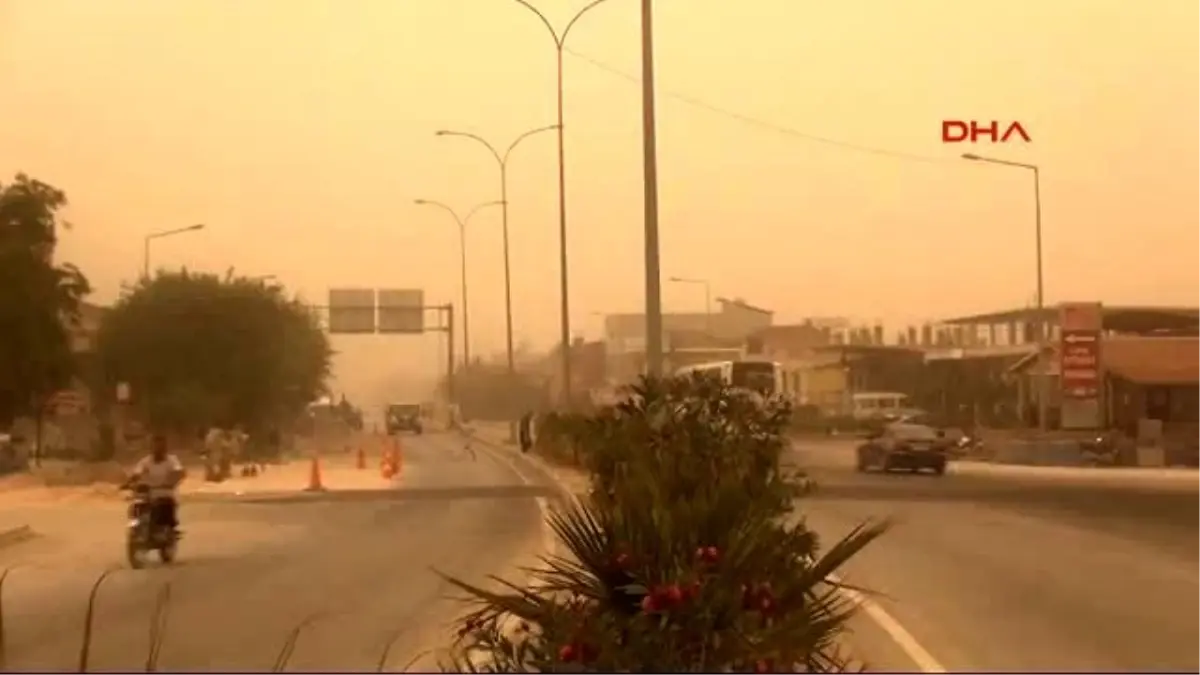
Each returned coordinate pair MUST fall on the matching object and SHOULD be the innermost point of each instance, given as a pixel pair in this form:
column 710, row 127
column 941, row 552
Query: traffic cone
column 362, row 458
column 314, row 477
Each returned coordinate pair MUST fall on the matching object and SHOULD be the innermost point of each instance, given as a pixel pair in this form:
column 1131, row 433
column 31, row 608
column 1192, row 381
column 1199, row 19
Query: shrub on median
column 680, row 560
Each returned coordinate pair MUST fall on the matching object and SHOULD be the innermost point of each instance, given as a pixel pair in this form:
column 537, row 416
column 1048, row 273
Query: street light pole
column 462, row 252
column 1044, row 380
column 707, row 296
column 502, row 160
column 654, row 332
column 564, row 278
column 159, row 235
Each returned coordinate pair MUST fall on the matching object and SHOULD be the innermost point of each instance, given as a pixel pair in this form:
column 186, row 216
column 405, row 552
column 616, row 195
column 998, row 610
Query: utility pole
column 654, row 327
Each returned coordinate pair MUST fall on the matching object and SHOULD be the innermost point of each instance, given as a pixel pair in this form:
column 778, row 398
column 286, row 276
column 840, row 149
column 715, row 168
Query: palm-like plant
column 679, row 561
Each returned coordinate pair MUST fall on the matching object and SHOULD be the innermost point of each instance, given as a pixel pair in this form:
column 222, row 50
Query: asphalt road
column 998, row 569
column 252, row 568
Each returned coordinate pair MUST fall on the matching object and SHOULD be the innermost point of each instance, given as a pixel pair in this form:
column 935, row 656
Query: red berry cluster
column 708, row 554
column 758, row 597
column 576, row 652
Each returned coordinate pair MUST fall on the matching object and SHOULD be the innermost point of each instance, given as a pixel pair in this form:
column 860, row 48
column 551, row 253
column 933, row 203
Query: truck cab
column 403, row 417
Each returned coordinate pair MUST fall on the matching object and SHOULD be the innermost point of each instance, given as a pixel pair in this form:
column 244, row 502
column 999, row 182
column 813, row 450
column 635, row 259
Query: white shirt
column 159, row 476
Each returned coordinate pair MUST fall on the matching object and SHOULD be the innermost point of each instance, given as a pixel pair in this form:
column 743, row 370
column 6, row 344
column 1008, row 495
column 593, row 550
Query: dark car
column 404, row 417
column 905, row 447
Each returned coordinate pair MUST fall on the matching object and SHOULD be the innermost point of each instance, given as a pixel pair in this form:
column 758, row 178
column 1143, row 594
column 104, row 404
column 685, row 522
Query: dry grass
column 158, row 632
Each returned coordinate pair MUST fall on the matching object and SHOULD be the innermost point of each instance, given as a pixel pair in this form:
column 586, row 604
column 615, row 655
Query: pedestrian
column 525, row 432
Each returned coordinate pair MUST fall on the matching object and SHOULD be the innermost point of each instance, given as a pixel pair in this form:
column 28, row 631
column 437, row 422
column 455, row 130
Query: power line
column 762, row 124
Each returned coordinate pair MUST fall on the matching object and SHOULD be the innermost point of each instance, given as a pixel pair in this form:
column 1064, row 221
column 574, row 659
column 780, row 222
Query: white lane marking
column 924, row 661
column 549, row 540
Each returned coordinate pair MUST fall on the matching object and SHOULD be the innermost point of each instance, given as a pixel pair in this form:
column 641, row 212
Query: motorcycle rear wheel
column 166, row 553
column 133, row 552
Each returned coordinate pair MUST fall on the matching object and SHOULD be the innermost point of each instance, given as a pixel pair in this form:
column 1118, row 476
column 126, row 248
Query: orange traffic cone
column 387, row 468
column 362, row 458
column 314, row 477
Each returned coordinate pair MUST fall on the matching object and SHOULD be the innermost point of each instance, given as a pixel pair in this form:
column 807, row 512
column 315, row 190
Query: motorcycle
column 145, row 534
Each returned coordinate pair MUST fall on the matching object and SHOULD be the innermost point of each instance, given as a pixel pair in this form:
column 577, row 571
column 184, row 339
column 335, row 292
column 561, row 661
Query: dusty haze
column 300, row 131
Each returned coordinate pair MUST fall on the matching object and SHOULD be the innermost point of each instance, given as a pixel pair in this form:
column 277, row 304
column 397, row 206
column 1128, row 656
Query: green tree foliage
column 39, row 301
column 198, row 350
column 683, row 557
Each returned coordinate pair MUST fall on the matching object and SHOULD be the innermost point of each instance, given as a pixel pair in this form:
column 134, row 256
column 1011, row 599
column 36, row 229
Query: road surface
column 1008, row 570
column 253, row 567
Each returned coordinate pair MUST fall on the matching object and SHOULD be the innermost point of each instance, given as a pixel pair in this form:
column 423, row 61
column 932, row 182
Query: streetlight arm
column 444, row 207
column 578, row 15
column 545, row 22
column 479, row 208
column 559, row 38
column 475, row 137
column 992, row 160
column 518, row 139
column 178, row 230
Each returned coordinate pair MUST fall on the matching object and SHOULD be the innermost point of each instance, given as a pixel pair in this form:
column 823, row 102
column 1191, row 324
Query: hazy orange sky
column 300, row 131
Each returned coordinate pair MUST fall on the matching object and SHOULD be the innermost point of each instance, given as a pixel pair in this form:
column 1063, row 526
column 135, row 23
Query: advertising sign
column 1079, row 366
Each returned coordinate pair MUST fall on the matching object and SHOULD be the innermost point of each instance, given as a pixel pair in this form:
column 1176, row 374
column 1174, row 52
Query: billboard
column 1081, row 327
column 351, row 310
column 401, row 310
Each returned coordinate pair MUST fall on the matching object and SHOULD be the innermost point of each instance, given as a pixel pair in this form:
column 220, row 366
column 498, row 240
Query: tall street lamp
column 502, row 160
column 654, row 321
column 560, row 39
column 707, row 295
column 159, row 235
column 1044, row 380
column 462, row 251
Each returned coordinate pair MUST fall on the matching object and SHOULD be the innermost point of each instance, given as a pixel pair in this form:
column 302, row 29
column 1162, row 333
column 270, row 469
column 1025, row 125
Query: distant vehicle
column 404, row 417
column 764, row 377
column 881, row 405
column 907, row 447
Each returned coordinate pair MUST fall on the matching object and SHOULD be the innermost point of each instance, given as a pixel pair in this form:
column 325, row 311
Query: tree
column 198, row 350
column 681, row 559
column 39, row 301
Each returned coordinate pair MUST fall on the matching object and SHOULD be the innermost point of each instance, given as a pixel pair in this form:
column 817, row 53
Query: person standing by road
column 525, row 432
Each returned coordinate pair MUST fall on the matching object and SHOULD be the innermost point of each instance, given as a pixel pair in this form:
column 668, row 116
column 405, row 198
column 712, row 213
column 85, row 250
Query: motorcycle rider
column 161, row 472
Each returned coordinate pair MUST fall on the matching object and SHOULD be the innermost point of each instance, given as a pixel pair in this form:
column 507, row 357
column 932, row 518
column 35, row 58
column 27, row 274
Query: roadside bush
column 680, row 560
column 558, row 436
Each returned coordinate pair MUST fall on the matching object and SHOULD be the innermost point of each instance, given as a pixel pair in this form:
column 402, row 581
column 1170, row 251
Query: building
column 985, row 368
column 687, row 337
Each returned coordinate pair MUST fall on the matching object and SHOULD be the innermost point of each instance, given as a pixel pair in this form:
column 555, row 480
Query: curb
column 16, row 535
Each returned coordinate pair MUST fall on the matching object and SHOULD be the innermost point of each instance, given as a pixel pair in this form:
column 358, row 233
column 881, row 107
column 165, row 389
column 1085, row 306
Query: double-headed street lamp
column 462, row 251
column 502, row 160
column 1043, row 393
column 560, row 39
column 159, row 235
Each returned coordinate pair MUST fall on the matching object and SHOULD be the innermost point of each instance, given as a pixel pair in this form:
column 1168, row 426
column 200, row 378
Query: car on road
column 904, row 446
column 404, row 417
